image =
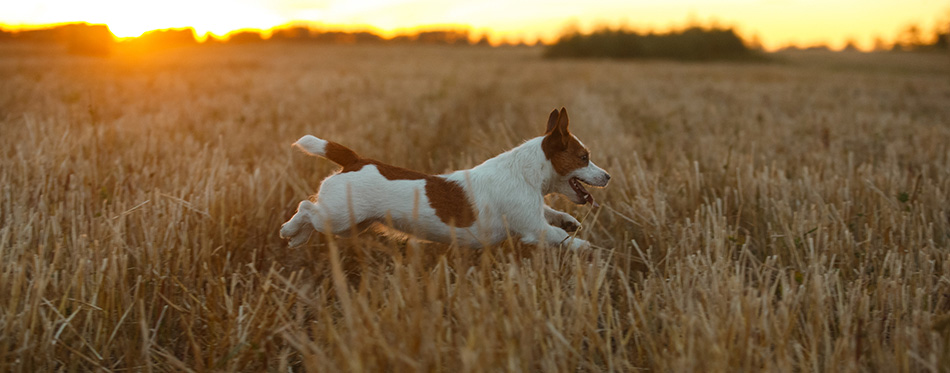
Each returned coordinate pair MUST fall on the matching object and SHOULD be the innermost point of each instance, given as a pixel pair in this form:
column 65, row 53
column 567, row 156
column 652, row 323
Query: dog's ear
column 557, row 121
column 561, row 130
column 557, row 136
column 562, row 121
column 552, row 122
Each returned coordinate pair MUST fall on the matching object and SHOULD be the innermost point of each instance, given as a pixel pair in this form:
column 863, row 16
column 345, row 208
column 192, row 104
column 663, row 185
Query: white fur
column 312, row 145
column 507, row 192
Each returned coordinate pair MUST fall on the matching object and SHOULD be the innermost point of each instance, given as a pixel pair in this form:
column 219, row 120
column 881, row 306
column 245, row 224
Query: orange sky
column 775, row 22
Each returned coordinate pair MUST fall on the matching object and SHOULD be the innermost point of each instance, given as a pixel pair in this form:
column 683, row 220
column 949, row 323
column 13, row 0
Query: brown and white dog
column 475, row 207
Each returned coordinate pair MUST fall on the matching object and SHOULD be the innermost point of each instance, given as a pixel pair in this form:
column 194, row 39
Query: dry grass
column 786, row 217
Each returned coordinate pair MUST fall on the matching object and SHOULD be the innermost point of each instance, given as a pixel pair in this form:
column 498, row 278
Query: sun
column 133, row 18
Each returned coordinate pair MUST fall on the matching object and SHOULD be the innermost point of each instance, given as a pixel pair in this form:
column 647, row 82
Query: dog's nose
column 608, row 176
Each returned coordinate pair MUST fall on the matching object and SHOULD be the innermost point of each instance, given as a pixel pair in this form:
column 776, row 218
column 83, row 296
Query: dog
column 482, row 206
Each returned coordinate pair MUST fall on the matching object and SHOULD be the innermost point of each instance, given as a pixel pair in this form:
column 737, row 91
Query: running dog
column 481, row 206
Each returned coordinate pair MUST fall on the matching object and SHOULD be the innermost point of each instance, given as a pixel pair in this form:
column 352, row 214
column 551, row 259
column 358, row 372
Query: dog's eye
column 584, row 158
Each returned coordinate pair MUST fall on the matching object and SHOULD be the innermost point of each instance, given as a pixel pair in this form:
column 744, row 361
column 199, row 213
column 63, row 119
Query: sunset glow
column 775, row 23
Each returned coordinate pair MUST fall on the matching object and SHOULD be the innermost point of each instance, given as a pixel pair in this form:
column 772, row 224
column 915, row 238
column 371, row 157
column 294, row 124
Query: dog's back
column 368, row 191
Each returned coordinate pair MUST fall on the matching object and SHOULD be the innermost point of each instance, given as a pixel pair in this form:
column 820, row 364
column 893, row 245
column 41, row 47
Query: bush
column 78, row 38
column 92, row 40
column 157, row 40
column 692, row 44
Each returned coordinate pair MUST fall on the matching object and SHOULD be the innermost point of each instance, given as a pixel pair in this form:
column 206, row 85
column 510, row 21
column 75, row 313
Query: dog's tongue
column 590, row 200
column 583, row 193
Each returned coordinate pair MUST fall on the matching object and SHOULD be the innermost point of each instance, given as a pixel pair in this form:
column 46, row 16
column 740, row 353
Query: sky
column 775, row 23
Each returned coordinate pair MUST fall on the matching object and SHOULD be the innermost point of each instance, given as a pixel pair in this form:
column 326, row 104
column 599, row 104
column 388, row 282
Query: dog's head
column 571, row 161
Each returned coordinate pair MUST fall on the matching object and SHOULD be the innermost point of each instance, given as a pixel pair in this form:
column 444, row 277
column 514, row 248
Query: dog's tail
column 337, row 153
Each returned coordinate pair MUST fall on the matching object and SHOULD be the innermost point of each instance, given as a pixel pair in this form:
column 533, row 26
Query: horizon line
column 494, row 38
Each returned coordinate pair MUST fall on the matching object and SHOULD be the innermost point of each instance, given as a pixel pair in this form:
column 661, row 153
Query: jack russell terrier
column 475, row 208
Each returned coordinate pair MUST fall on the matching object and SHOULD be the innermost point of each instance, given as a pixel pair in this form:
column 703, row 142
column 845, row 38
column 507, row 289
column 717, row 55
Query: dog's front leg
column 554, row 236
column 561, row 219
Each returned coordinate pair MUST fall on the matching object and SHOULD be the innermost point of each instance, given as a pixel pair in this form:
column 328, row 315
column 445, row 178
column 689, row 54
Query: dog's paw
column 578, row 244
column 289, row 229
column 300, row 239
column 297, row 231
column 565, row 222
column 569, row 224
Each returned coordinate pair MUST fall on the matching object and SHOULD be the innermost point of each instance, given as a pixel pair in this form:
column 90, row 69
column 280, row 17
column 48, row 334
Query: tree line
column 693, row 43
column 82, row 38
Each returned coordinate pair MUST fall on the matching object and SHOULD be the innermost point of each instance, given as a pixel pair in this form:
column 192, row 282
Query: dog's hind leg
column 300, row 226
column 320, row 217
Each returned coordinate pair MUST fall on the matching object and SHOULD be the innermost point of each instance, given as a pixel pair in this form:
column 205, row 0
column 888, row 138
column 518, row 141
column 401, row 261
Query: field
column 784, row 216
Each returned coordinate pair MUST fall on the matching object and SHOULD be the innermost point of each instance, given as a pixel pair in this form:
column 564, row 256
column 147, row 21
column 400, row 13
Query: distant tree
column 879, row 44
column 48, row 35
column 942, row 35
column 909, row 39
column 691, row 44
column 507, row 42
column 211, row 39
column 296, row 33
column 817, row 48
column 445, row 37
column 6, row 36
column 483, row 41
column 244, row 37
column 78, row 38
column 365, row 37
column 791, row 47
column 158, row 40
column 943, row 41
column 335, row 37
column 93, row 40
column 402, row 39
column 850, row 46
column 756, row 43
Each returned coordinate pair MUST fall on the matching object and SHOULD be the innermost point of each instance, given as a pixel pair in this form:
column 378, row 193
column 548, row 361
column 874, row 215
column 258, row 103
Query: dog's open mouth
column 582, row 193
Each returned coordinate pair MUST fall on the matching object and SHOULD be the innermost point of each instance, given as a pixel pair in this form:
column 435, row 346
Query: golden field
column 786, row 216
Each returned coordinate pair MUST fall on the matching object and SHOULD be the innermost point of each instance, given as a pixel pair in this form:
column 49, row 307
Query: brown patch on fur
column 449, row 201
column 562, row 148
column 340, row 154
column 388, row 171
column 446, row 197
